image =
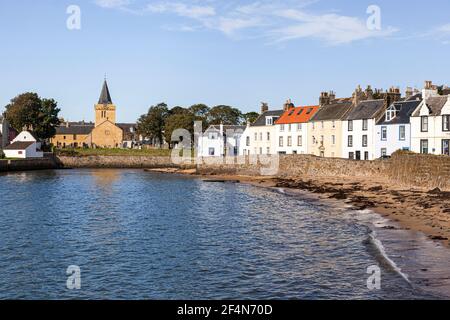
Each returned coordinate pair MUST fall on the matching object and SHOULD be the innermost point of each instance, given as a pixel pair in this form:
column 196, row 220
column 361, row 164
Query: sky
column 237, row 53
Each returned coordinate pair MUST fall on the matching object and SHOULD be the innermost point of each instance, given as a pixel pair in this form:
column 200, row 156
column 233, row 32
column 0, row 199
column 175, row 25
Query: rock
column 375, row 189
column 438, row 238
column 435, row 191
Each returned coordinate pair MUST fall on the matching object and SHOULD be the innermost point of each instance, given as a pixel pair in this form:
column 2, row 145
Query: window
column 333, row 139
column 424, row 124
column 351, row 155
column 364, row 140
column 282, row 127
column 213, row 135
column 383, row 152
column 260, row 136
column 20, row 152
column 383, row 133
column 350, row 125
column 256, row 136
column 365, row 125
column 289, row 127
column 268, row 136
column 446, row 147
column 64, row 137
column 269, row 121
column 313, row 125
column 309, row 111
column 299, row 112
column 248, row 142
column 299, row 141
column 366, row 155
column 299, row 127
column 260, row 151
column 281, row 142
column 402, row 133
column 391, row 113
column 446, row 122
column 268, row 150
column 322, row 139
column 322, row 124
column 350, row 141
column 424, row 146
column 289, row 142
column 211, row 151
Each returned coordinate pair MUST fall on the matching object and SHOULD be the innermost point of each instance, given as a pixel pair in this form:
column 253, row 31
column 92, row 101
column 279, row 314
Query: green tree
column 29, row 111
column 152, row 124
column 199, row 110
column 179, row 121
column 179, row 110
column 251, row 117
column 224, row 114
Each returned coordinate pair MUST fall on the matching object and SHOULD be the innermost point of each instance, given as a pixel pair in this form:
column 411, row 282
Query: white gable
column 424, row 111
column 24, row 136
column 446, row 108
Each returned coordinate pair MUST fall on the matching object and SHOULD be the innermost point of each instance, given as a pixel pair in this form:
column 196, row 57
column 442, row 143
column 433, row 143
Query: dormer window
column 299, row 112
column 269, row 121
column 391, row 113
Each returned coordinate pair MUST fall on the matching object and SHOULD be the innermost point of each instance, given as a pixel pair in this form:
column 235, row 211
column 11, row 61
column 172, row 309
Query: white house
column 430, row 123
column 259, row 138
column 292, row 130
column 393, row 130
column 24, row 146
column 359, row 130
column 220, row 140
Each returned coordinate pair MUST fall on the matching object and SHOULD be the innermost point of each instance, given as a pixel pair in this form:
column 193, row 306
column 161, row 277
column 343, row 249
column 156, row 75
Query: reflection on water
column 140, row 235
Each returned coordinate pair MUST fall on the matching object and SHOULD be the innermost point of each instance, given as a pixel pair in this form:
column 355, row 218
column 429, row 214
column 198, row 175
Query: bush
column 66, row 152
column 2, row 155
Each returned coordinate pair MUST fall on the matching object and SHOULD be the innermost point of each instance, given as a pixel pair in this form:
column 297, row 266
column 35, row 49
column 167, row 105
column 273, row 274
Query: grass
column 113, row 152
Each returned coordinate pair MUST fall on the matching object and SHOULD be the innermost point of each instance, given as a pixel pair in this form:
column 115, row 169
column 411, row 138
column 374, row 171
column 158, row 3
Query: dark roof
column 261, row 121
column 225, row 128
column 19, row 145
column 405, row 110
column 75, row 128
column 435, row 104
column 336, row 110
column 105, row 97
column 368, row 109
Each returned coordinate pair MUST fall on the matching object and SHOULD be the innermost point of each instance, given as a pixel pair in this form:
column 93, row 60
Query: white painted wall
column 392, row 142
column 435, row 135
column 262, row 140
column 213, row 139
column 29, row 152
column 294, row 131
column 357, row 133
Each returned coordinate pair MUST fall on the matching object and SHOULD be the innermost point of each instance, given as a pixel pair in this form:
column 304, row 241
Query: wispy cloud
column 276, row 21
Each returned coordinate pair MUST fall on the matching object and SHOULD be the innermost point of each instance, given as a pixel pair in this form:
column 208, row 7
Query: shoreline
column 415, row 209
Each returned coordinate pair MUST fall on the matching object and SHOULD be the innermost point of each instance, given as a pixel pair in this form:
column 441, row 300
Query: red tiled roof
column 298, row 115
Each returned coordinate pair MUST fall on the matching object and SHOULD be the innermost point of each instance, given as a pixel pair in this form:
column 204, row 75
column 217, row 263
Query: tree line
column 160, row 122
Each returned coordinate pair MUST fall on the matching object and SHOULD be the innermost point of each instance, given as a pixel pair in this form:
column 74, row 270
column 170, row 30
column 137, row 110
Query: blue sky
column 216, row 52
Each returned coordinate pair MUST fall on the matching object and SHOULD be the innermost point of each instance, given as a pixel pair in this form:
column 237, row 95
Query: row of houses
column 369, row 125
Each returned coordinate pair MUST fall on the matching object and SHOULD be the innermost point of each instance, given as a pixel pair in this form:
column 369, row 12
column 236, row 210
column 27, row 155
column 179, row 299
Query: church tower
column 105, row 110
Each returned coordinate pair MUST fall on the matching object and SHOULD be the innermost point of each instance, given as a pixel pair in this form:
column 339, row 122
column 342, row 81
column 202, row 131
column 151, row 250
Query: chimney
column 429, row 90
column 392, row 95
column 358, row 96
column 325, row 98
column 332, row 95
column 369, row 93
column 67, row 124
column 288, row 105
column 264, row 107
column 409, row 92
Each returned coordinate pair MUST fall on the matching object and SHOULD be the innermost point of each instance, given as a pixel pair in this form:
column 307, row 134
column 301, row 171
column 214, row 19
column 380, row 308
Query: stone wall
column 407, row 169
column 27, row 164
column 116, row 162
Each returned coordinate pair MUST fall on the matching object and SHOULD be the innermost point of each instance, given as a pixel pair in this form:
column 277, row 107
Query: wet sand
column 416, row 209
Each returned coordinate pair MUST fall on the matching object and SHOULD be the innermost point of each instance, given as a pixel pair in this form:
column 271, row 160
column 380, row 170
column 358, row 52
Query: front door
column 358, row 155
column 446, row 147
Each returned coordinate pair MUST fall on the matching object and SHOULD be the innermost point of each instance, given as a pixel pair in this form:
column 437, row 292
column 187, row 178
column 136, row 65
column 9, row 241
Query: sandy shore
column 426, row 211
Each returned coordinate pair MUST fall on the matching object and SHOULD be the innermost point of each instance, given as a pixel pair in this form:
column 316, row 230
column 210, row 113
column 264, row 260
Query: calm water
column 138, row 235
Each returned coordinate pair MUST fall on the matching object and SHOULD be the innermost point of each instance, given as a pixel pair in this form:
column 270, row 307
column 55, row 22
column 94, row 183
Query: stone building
column 103, row 133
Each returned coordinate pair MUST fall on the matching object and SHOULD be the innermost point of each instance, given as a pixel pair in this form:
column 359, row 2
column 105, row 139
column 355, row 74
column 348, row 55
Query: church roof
column 105, row 97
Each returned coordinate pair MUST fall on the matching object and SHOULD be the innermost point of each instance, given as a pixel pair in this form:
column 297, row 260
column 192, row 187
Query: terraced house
column 292, row 129
column 259, row 138
column 430, row 123
column 325, row 126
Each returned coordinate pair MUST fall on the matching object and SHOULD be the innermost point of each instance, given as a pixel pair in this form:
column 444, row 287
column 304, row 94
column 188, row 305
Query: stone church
column 104, row 133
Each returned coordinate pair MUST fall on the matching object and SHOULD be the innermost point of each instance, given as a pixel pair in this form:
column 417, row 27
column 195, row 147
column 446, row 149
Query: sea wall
column 407, row 169
column 27, row 164
column 118, row 162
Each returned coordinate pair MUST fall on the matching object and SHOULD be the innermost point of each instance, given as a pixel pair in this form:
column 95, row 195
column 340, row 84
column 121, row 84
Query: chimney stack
column 288, row 105
column 429, row 90
column 369, row 93
column 326, row 98
column 264, row 107
column 409, row 92
column 392, row 95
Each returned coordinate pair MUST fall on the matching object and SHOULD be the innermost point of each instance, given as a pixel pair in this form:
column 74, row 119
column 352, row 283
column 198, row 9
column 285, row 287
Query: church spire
column 105, row 97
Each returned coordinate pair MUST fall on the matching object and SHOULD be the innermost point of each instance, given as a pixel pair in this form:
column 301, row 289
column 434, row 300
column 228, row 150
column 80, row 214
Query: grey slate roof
column 368, row 109
column 19, row 145
column 225, row 128
column 405, row 110
column 261, row 121
column 105, row 97
column 435, row 104
column 336, row 110
column 75, row 128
